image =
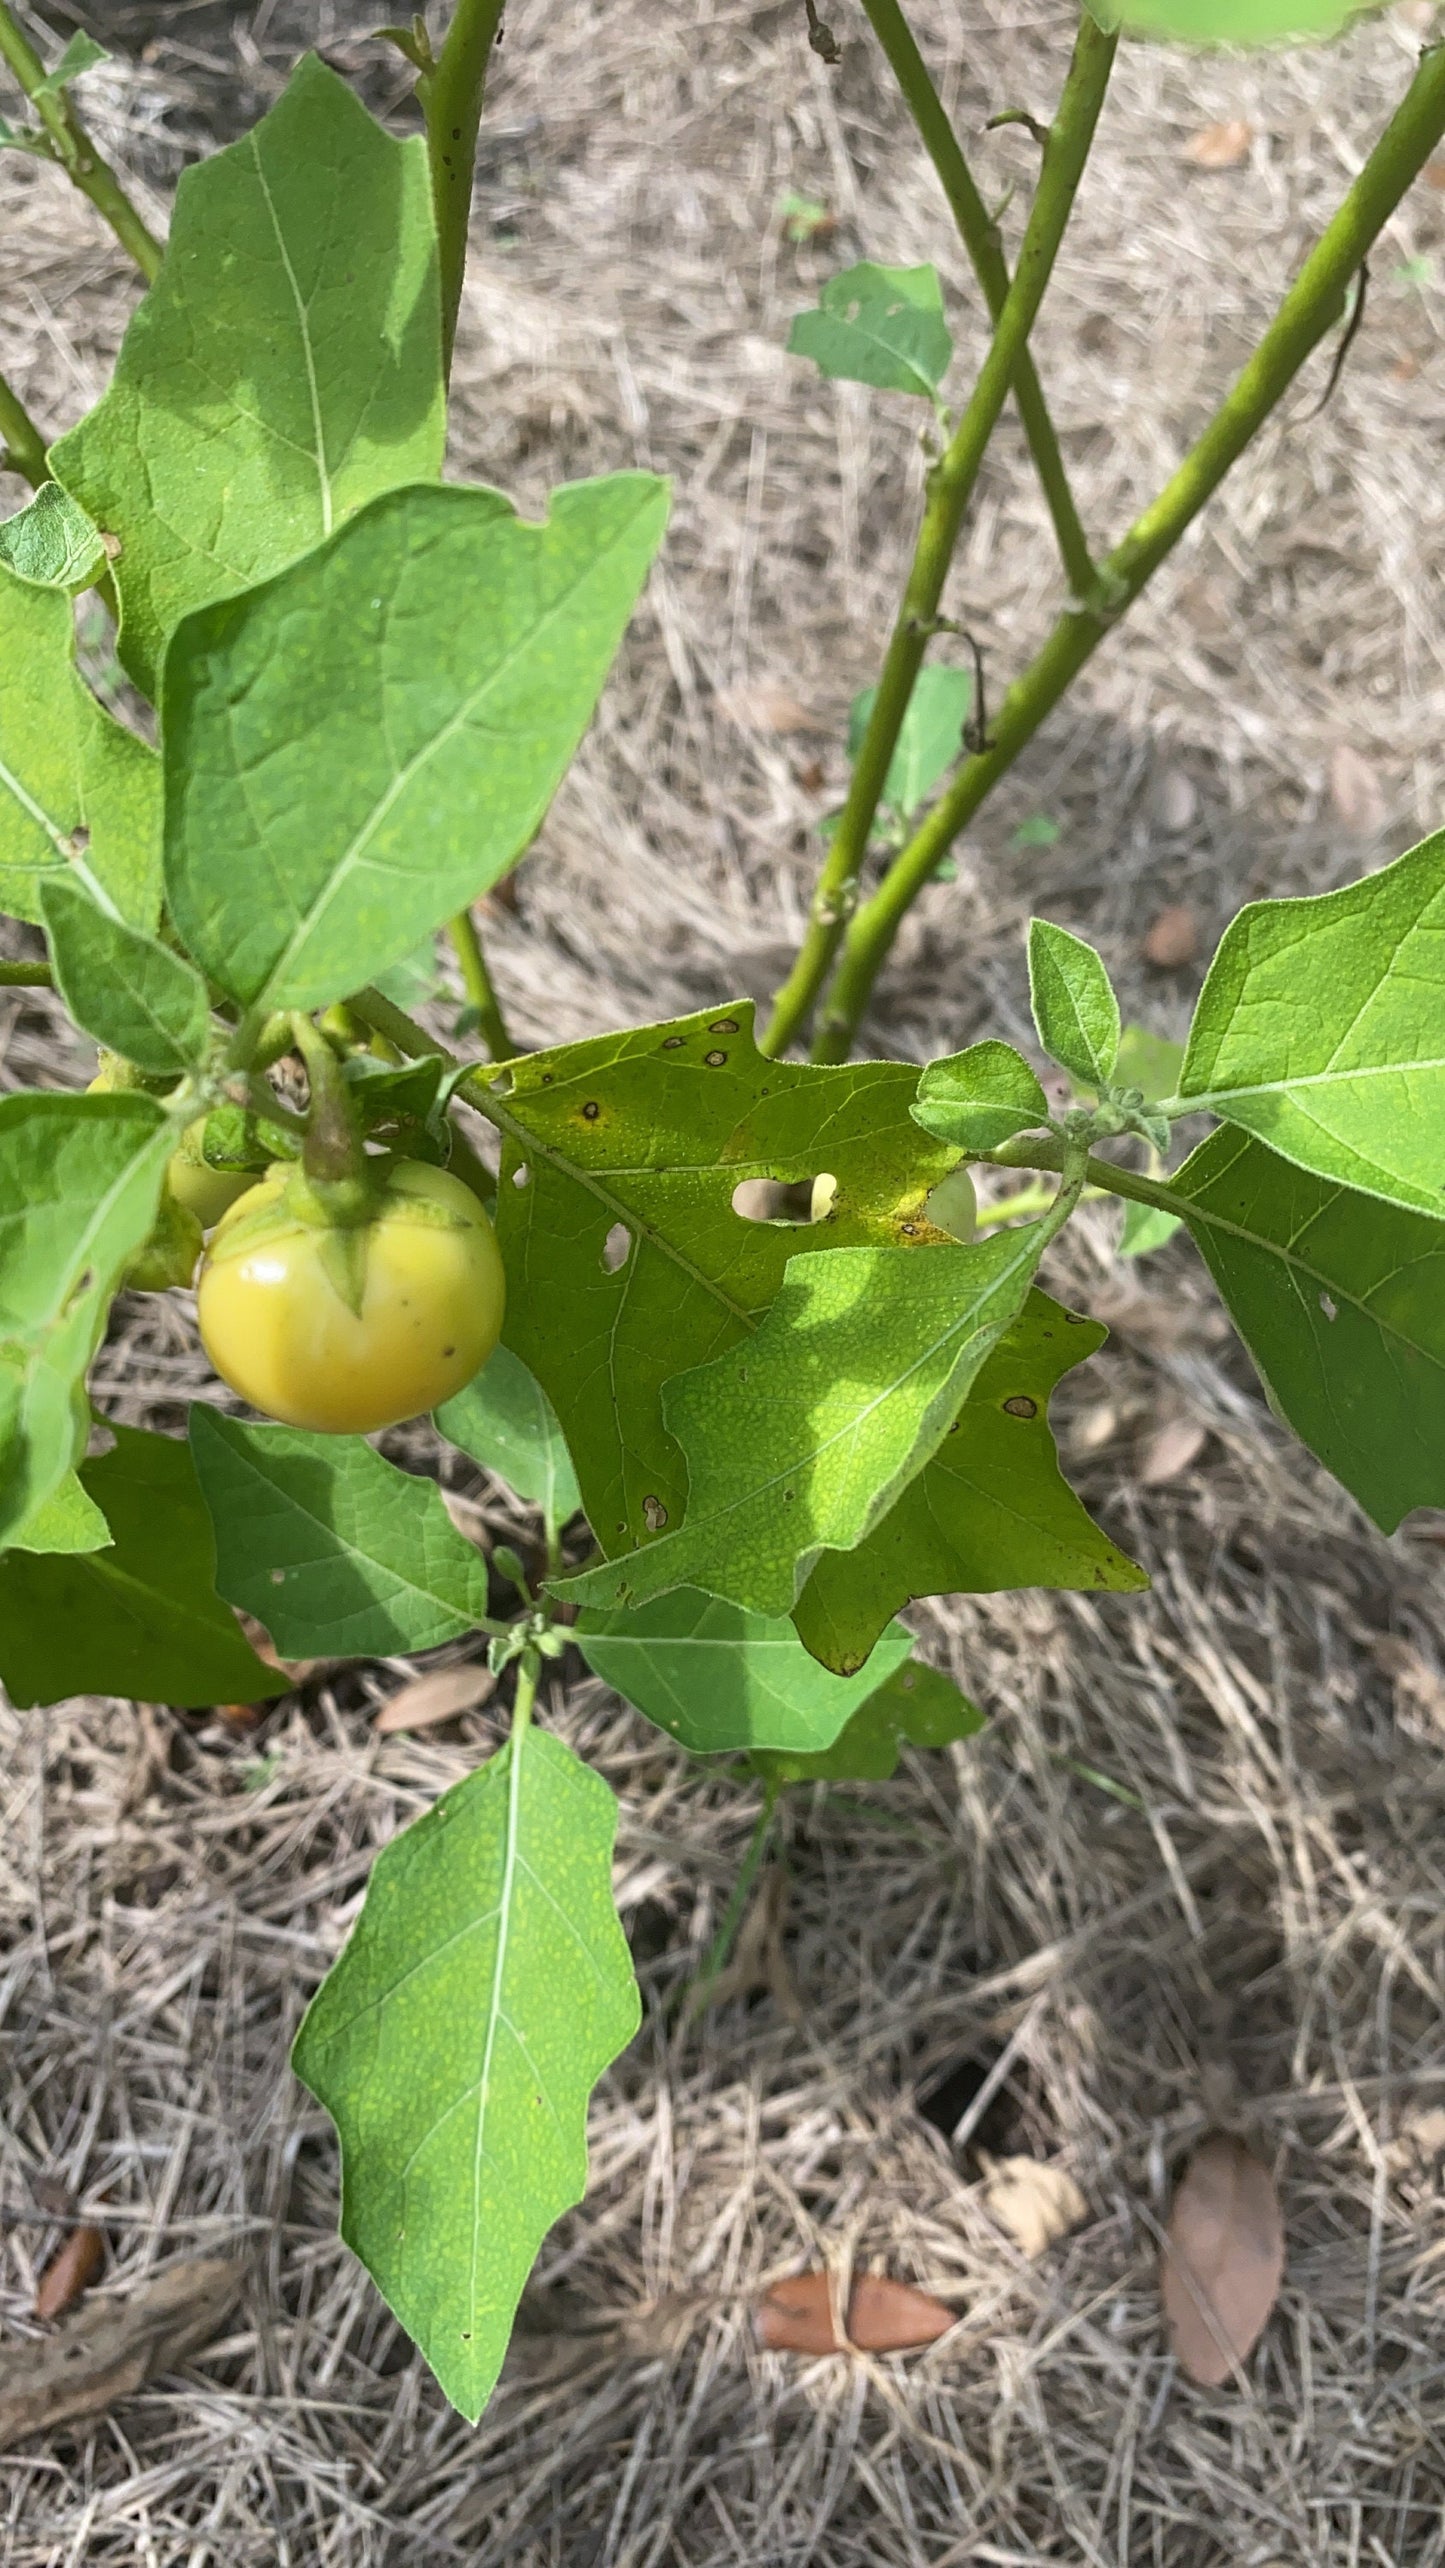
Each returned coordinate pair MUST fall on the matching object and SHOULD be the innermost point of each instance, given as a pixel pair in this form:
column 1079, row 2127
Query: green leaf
column 362, row 746
column 506, row 1422
column 626, row 1262
column 413, row 982
column 917, row 1707
column 1148, row 1062
column 140, row 1618
column 980, row 1098
column 1075, row 1010
column 80, row 1179
column 801, row 1441
column 1230, row 22
column 79, row 794
column 51, row 543
column 337, row 1552
column 1321, row 1029
column 486, row 1987
column 878, row 325
column 125, row 988
column 1341, row 1302
column 931, row 737
column 285, row 367
column 715, row 1677
column 81, row 54
column 992, row 1509
column 66, row 1521
column 1146, row 1227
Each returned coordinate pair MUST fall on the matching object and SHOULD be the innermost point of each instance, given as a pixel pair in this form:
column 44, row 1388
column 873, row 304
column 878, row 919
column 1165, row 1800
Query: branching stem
column 69, row 145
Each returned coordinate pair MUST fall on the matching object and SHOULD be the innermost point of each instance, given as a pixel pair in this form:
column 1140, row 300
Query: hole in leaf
column 616, row 1248
column 503, row 1084
column 522, row 1176
column 792, row 1204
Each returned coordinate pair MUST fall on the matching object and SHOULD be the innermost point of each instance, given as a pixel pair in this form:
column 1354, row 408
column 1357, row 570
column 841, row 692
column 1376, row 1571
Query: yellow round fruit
column 349, row 1329
column 205, row 1191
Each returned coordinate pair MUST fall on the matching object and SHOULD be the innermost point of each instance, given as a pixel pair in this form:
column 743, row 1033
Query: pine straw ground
column 1268, row 1916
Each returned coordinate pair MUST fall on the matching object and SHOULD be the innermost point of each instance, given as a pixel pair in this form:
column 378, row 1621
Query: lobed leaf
column 285, row 367
column 361, row 746
column 485, row 1988
column 979, row 1098
column 506, row 1422
column 123, row 987
column 992, row 1509
column 1340, row 1300
column 80, row 1179
column 716, row 1677
column 335, row 1550
column 882, row 326
column 1321, row 1029
column 916, row 1706
column 79, row 794
column 139, row 1617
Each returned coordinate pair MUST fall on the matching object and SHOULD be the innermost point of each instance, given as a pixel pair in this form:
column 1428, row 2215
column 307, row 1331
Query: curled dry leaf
column 442, row 1695
column 1035, row 2202
column 1221, row 146
column 1172, row 939
column 763, row 705
column 1170, row 1451
column 71, row 2270
column 109, row 2348
column 1223, row 2259
column 795, row 2316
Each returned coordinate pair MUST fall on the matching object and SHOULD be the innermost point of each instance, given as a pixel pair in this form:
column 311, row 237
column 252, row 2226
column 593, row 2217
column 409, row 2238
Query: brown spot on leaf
column 1021, row 1406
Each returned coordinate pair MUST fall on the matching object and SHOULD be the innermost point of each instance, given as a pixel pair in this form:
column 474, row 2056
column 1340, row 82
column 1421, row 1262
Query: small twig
column 975, row 731
column 481, row 992
column 1342, row 353
column 64, row 140
column 822, row 39
column 1020, row 116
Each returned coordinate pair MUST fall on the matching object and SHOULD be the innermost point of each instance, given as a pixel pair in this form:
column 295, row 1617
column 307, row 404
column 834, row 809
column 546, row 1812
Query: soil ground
column 1194, row 1866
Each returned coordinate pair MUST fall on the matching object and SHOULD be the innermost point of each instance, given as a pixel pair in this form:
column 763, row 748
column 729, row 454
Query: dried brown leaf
column 110, row 2348
column 796, row 2316
column 762, row 705
column 1223, row 2259
column 442, row 1695
column 1170, row 1451
column 1356, row 791
column 1176, row 800
column 1034, row 2201
column 71, row 2270
column 1172, row 938
column 1221, row 146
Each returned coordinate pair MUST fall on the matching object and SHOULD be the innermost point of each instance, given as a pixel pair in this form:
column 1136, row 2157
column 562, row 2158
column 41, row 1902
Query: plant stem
column 451, row 100
column 1311, row 307
column 1103, row 1176
column 333, row 1156
column 980, row 237
column 68, row 143
column 950, row 488
column 26, row 976
column 22, row 448
column 718, row 1951
column 529, row 1668
column 477, row 980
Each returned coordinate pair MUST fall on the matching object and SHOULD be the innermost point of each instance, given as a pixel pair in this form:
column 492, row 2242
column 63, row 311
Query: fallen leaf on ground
column 1035, row 2202
column 762, row 705
column 884, row 2317
column 1356, row 791
column 1172, row 938
column 1223, row 2259
column 1419, row 2141
column 1221, row 146
column 1434, row 176
column 1170, row 1451
column 110, row 2348
column 71, row 2270
column 442, row 1695
column 1416, row 1679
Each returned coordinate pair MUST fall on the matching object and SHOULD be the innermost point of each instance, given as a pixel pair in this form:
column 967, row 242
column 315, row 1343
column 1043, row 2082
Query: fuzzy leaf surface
column 51, row 543
column 285, row 367
column 1075, row 1010
column 715, row 1677
column 485, row 1988
column 1321, row 1030
column 79, row 794
column 335, row 1550
column 979, row 1098
column 125, row 988
column 360, row 747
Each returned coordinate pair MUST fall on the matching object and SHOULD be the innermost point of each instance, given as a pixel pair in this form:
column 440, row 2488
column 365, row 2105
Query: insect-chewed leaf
column 878, row 325
column 51, row 543
column 506, row 1422
column 486, row 1987
column 1075, row 1010
column 284, row 368
column 80, row 1179
column 640, row 1141
column 991, row 1510
column 801, row 1440
column 717, row 1678
column 916, row 1706
column 80, row 796
column 1223, row 2259
column 930, row 739
column 361, row 746
column 335, row 1550
column 1321, row 1029
column 125, row 988
column 981, row 1097
column 1340, row 1300
column 140, row 1616
column 1231, row 22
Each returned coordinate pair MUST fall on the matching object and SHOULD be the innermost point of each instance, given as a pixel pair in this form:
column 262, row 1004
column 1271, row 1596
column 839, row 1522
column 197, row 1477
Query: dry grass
column 1263, row 1917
